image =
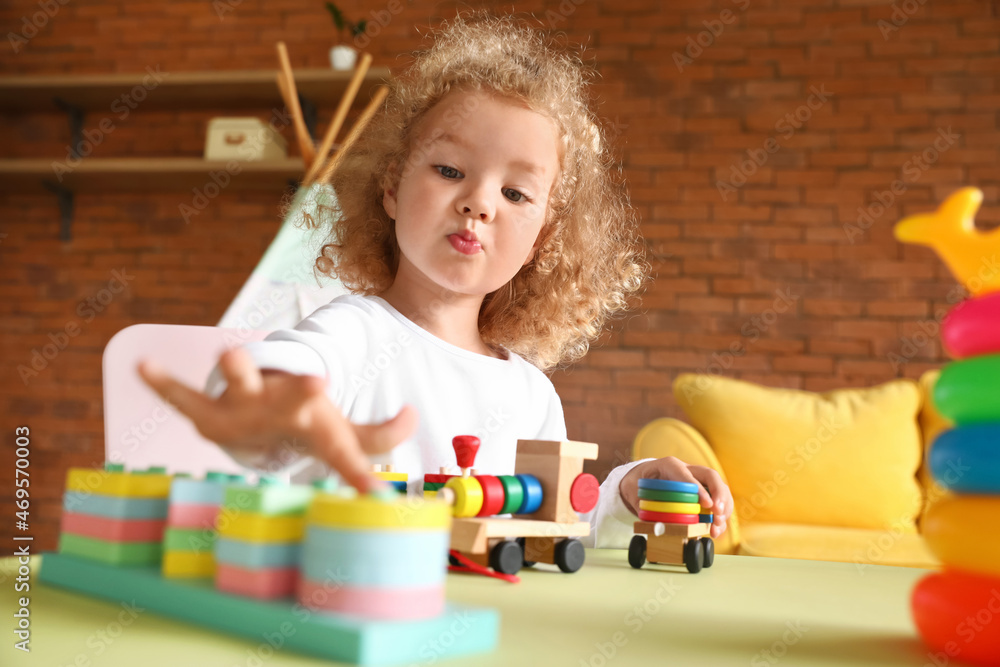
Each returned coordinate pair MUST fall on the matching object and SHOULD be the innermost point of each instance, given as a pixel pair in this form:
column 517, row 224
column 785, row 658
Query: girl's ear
column 534, row 248
column 389, row 185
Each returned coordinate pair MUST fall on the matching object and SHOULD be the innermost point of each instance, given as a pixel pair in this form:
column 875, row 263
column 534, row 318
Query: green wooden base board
column 460, row 630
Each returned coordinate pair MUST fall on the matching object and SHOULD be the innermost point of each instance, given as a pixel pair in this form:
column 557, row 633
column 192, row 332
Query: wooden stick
column 359, row 125
column 338, row 119
column 291, row 96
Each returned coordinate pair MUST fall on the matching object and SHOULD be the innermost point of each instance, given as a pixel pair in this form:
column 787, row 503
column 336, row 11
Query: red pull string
column 473, row 567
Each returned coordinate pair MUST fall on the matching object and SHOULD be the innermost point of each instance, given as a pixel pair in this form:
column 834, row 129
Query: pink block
column 264, row 584
column 187, row 515
column 382, row 603
column 113, row 530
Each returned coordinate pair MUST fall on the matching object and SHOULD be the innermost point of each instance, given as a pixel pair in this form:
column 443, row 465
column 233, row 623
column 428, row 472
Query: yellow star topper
column 973, row 257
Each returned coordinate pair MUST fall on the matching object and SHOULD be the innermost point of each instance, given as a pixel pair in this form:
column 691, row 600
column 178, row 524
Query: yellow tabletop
column 742, row 611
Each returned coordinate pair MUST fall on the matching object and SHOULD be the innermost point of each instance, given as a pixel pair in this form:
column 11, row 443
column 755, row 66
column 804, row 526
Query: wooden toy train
column 673, row 528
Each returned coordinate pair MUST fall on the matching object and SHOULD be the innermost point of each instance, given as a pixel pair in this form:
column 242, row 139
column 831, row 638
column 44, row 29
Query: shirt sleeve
column 611, row 522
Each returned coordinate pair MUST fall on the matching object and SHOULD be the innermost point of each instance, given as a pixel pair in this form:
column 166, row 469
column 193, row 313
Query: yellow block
column 261, row 528
column 122, row 484
column 672, row 508
column 961, row 531
column 188, row 564
column 391, row 476
column 365, row 512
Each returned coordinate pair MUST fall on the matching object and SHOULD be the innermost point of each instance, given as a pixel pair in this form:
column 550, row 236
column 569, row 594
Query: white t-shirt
column 376, row 360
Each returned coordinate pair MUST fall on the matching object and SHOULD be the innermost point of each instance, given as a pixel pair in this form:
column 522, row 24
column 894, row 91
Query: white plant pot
column 343, row 56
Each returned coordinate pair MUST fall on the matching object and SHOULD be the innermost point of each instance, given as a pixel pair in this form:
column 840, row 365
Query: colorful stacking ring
column 533, row 495
column 513, row 493
column 669, row 508
column 961, row 532
column 966, row 392
column 948, row 607
column 668, row 485
column 661, row 517
column 468, row 495
column 972, row 328
column 667, row 496
column 967, row 459
column 493, row 498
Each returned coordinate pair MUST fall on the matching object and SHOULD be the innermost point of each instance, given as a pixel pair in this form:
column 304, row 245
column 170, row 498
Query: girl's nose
column 476, row 204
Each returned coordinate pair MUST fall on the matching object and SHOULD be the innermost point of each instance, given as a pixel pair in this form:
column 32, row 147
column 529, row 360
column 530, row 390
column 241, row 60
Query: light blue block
column 255, row 555
column 114, row 507
column 380, row 559
column 198, row 491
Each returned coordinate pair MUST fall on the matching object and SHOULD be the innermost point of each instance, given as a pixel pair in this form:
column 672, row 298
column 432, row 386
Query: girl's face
column 473, row 193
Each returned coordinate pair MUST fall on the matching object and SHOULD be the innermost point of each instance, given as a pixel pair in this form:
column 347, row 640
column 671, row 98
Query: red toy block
column 113, row 530
column 263, row 584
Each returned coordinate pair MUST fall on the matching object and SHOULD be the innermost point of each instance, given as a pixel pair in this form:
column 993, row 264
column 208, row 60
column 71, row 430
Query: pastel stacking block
column 669, row 508
column 328, row 636
column 667, row 496
column 188, row 564
column 114, row 507
column 253, row 555
column 367, row 513
column 125, row 484
column 262, row 584
column 665, row 517
column 260, row 528
column 269, row 500
column 188, row 539
column 962, row 532
column 184, row 515
column 967, row 459
column 972, row 328
column 668, row 485
column 113, row 530
column 408, row 604
column 371, row 558
column 948, row 607
column 968, row 391
column 209, row 491
column 112, row 553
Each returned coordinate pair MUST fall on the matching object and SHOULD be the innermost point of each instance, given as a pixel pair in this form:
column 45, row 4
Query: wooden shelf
column 146, row 174
column 235, row 89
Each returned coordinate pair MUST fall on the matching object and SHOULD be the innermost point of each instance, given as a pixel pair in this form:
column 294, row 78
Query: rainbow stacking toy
column 345, row 577
column 953, row 609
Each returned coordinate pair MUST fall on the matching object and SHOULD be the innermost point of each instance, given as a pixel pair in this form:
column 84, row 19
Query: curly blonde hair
column 590, row 258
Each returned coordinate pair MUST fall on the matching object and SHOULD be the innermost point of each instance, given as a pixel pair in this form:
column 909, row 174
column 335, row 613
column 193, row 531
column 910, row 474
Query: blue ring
column 668, row 485
column 533, row 495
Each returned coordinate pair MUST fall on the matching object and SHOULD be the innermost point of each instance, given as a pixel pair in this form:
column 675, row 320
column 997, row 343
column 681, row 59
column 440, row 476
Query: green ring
column 513, row 494
column 667, row 496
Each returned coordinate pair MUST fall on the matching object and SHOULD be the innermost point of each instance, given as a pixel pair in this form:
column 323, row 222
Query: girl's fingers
column 673, row 468
column 380, row 438
column 194, row 404
column 335, row 442
column 242, row 375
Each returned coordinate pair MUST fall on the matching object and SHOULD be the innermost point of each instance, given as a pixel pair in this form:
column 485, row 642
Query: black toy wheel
column 454, row 561
column 524, row 550
column 637, row 551
column 708, row 546
column 569, row 555
column 694, row 556
column 507, row 557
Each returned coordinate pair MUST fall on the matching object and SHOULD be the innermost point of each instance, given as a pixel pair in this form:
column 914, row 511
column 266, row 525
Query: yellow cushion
column 844, row 458
column 860, row 546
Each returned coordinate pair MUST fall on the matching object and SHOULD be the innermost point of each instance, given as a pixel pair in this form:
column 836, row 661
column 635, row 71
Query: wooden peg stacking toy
column 547, row 490
column 673, row 527
column 260, row 532
column 114, row 516
column 396, row 480
column 189, row 539
column 375, row 557
column 968, row 393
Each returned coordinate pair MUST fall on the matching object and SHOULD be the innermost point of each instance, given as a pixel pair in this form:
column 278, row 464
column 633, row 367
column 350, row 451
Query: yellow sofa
column 835, row 476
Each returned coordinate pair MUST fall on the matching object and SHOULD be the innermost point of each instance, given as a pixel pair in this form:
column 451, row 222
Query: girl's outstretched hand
column 712, row 491
column 259, row 411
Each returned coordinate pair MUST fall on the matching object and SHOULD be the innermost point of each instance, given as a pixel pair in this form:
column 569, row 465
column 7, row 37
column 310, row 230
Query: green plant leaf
column 338, row 16
column 359, row 28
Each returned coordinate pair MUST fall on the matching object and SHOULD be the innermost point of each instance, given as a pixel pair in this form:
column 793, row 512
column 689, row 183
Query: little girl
column 484, row 241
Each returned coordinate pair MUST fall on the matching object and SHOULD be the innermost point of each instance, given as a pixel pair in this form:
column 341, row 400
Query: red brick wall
column 773, row 280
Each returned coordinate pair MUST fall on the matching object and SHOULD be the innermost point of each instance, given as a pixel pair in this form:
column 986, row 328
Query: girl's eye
column 448, row 172
column 514, row 195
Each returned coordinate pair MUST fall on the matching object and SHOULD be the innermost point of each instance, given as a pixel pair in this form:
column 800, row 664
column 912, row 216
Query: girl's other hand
column 259, row 411
column 712, row 491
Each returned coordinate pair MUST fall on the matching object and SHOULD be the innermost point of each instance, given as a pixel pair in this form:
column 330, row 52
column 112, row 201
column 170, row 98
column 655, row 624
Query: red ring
column 493, row 495
column 667, row 517
column 584, row 492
